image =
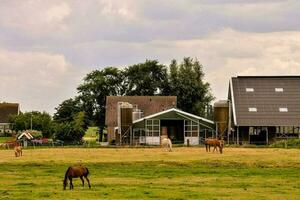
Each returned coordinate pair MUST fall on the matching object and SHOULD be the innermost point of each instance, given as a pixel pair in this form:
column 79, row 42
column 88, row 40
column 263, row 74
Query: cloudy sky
column 47, row 46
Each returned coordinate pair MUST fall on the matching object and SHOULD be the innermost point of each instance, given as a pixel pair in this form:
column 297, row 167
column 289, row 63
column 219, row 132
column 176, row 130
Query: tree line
column 71, row 118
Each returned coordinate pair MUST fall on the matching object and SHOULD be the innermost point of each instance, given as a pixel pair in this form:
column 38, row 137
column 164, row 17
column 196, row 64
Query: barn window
column 252, row 109
column 249, row 89
column 283, row 109
column 152, row 127
column 191, row 128
column 278, row 89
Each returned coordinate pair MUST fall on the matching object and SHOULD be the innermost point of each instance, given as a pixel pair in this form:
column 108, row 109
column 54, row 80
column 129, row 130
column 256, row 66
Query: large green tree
column 148, row 78
column 186, row 81
column 71, row 131
column 92, row 93
column 67, row 109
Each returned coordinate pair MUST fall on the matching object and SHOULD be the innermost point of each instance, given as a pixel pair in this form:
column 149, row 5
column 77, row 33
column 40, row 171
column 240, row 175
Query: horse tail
column 87, row 171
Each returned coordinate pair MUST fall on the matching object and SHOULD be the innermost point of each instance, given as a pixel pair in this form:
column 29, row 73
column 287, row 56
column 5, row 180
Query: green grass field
column 150, row 173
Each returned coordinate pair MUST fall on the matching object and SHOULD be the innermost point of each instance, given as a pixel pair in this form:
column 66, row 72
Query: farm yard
column 150, row 173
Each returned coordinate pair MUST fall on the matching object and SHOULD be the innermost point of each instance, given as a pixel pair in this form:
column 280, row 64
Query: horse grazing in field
column 18, row 151
column 215, row 143
column 75, row 172
column 166, row 143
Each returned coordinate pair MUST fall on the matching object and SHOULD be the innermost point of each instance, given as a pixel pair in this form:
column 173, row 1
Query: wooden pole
column 267, row 136
column 237, row 136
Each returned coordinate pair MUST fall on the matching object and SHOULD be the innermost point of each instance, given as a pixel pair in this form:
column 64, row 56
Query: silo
column 221, row 117
column 137, row 114
column 125, row 122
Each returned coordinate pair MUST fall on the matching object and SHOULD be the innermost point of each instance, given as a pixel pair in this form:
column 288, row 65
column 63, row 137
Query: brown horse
column 215, row 143
column 75, row 172
column 18, row 151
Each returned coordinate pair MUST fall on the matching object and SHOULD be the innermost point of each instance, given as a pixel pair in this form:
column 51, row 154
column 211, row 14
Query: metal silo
column 125, row 122
column 221, row 117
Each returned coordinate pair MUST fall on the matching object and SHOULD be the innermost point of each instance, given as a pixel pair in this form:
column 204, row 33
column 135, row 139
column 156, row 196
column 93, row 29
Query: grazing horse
column 75, row 172
column 215, row 143
column 18, row 151
column 166, row 143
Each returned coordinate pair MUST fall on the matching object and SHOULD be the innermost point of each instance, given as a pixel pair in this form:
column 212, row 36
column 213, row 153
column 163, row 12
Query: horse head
column 65, row 183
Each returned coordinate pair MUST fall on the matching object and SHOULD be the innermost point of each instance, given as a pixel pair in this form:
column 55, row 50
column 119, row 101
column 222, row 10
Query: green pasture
column 150, row 173
column 5, row 139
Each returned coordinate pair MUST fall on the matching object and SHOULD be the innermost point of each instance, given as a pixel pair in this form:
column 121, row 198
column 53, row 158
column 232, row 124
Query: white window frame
column 252, row 109
column 278, row 89
column 283, row 109
column 150, row 130
column 249, row 89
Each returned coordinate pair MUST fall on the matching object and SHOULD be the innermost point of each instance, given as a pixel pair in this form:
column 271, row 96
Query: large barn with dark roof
column 264, row 108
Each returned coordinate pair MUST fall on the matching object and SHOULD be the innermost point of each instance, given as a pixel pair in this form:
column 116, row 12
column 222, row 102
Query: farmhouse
column 264, row 108
column 7, row 109
column 147, row 119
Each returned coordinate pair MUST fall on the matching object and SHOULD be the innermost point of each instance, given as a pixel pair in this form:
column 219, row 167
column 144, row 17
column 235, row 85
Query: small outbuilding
column 25, row 137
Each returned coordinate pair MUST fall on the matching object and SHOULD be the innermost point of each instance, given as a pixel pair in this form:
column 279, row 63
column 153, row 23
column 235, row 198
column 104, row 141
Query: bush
column 289, row 143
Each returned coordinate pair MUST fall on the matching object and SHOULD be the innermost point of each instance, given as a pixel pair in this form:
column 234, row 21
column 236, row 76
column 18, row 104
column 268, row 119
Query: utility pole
column 31, row 122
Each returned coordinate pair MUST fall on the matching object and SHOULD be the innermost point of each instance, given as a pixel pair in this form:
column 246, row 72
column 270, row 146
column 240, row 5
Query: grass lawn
column 5, row 139
column 150, row 173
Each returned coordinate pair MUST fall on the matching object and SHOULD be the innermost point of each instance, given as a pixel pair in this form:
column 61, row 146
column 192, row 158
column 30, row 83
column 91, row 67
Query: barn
column 7, row 109
column 264, row 109
column 133, row 120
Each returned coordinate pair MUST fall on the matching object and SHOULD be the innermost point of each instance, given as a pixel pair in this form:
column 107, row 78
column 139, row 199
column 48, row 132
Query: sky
column 48, row 46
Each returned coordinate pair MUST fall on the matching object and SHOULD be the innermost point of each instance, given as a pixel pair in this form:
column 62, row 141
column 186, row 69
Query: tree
column 148, row 78
column 92, row 93
column 32, row 120
column 71, row 131
column 67, row 109
column 186, row 81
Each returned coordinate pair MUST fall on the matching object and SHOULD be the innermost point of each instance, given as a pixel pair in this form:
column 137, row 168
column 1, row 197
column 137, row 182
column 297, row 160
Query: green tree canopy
column 186, row 81
column 145, row 79
column 40, row 122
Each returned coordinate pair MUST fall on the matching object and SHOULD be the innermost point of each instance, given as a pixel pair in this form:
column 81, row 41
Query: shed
column 24, row 137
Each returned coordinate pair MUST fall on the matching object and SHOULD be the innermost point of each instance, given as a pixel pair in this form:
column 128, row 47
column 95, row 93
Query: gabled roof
column 148, row 104
column 174, row 110
column 7, row 109
column 26, row 134
column 263, row 96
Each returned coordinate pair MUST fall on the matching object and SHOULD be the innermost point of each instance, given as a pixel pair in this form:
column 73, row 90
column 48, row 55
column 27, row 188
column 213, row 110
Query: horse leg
column 82, row 181
column 221, row 149
column 88, row 181
column 71, row 184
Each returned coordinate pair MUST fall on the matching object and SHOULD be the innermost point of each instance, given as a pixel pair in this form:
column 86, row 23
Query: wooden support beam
column 237, row 136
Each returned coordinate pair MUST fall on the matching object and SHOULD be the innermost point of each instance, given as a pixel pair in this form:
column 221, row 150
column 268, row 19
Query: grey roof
column 266, row 100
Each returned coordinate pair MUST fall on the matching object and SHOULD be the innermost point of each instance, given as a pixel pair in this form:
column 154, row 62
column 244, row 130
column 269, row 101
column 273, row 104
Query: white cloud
column 50, row 42
column 38, row 81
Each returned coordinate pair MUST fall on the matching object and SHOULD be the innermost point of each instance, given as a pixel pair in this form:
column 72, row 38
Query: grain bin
column 125, row 122
column 221, row 117
column 137, row 114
